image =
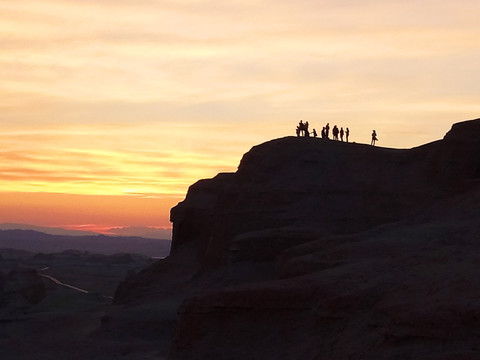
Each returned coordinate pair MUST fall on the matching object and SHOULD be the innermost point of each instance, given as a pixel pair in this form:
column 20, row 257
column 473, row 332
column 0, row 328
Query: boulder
column 20, row 288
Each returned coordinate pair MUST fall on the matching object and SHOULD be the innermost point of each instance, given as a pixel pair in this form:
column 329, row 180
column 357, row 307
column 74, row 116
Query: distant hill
column 36, row 241
column 45, row 229
column 140, row 231
column 146, row 232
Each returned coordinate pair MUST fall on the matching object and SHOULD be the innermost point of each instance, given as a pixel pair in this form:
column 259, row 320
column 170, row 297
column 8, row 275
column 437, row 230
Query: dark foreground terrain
column 51, row 305
column 313, row 249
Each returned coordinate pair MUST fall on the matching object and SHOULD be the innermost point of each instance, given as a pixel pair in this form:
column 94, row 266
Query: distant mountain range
column 36, row 241
column 46, row 230
column 146, row 232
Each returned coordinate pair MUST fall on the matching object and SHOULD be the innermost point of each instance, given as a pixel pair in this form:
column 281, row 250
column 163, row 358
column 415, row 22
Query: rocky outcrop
column 317, row 249
column 20, row 289
column 330, row 186
column 402, row 291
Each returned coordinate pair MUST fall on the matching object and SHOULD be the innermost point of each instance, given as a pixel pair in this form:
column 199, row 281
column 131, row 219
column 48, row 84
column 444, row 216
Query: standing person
column 335, row 132
column 324, row 135
column 301, row 127
column 314, row 133
column 374, row 138
column 347, row 132
column 341, row 133
column 327, row 129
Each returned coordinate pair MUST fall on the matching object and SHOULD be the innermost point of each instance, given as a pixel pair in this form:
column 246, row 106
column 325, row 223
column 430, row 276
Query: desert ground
column 43, row 319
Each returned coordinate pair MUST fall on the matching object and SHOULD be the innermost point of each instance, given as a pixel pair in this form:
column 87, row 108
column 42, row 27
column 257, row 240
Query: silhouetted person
column 335, row 132
column 327, row 129
column 347, row 132
column 374, row 138
column 341, row 133
column 324, row 135
column 302, row 129
column 314, row 133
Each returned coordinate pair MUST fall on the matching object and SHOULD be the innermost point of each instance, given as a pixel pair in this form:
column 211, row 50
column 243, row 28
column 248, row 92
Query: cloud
column 84, row 160
column 177, row 51
column 135, row 97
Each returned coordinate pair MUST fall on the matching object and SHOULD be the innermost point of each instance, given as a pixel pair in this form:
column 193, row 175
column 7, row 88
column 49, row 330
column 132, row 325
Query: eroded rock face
column 317, row 249
column 331, row 186
column 459, row 153
column 404, row 291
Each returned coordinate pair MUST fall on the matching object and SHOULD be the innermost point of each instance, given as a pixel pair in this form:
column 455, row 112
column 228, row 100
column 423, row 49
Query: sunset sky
column 110, row 109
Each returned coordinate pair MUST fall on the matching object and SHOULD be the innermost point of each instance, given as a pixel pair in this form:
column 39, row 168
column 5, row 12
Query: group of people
column 336, row 132
column 302, row 130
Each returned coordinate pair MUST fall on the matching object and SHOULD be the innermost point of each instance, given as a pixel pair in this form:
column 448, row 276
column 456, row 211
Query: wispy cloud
column 86, row 162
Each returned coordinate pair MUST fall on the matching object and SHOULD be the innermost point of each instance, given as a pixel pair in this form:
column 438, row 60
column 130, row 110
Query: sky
column 109, row 110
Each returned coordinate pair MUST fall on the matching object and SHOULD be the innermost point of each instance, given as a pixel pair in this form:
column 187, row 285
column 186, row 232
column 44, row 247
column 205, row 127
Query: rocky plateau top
column 318, row 249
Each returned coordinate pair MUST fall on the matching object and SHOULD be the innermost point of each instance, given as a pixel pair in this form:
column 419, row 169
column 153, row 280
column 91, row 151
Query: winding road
column 58, row 282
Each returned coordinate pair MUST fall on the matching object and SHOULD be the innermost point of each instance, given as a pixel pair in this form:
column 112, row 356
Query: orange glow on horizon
column 105, row 229
column 85, row 212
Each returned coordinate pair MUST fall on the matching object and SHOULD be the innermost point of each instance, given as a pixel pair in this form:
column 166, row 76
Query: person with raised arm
column 374, row 138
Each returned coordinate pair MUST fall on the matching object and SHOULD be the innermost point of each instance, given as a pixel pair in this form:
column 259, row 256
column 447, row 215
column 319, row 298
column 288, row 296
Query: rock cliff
column 317, row 249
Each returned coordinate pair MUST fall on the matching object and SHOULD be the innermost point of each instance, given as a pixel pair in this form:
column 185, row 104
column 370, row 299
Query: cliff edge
column 319, row 249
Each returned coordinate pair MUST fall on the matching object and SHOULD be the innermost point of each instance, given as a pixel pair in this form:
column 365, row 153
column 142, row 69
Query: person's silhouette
column 335, row 132
column 301, row 128
column 347, row 132
column 327, row 129
column 314, row 133
column 374, row 138
column 341, row 133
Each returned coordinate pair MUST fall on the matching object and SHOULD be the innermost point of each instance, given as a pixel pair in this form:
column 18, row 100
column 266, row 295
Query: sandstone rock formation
column 316, row 249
